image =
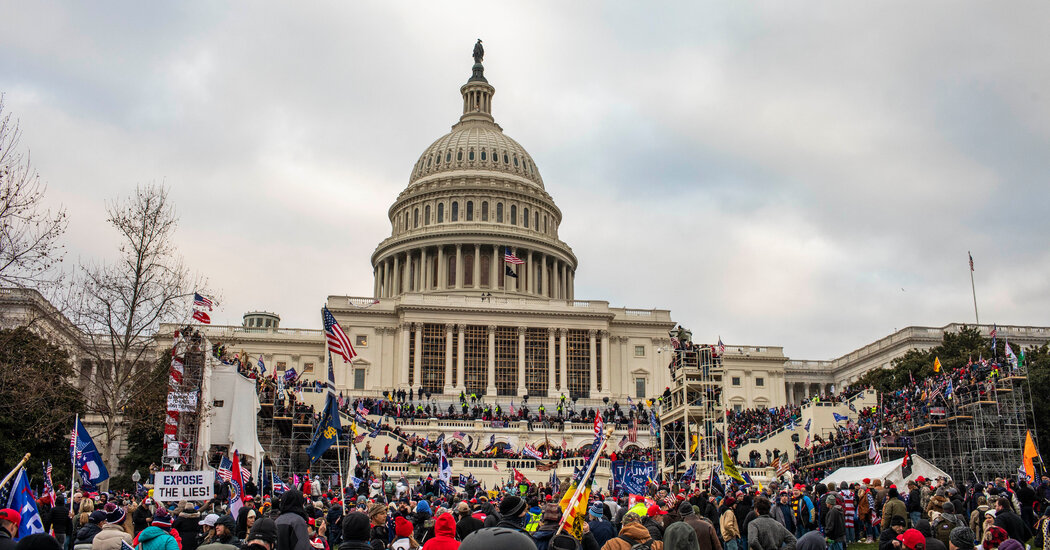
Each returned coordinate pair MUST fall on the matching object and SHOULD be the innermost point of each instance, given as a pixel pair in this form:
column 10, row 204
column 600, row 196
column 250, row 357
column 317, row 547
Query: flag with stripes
column 338, row 342
column 632, row 432
column 721, row 346
column 200, row 300
column 511, row 258
column 459, row 435
column 623, row 442
column 225, row 469
column 873, row 453
column 49, row 487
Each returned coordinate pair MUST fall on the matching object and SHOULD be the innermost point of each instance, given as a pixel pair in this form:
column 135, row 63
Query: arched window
column 483, row 155
column 437, row 159
column 515, row 161
column 514, row 214
column 448, row 156
column 441, row 212
column 536, row 220
column 525, row 216
column 455, row 211
column 506, row 159
column 485, row 211
column 426, row 215
column 544, row 223
column 459, row 155
column 470, row 211
column 470, row 156
column 415, row 216
column 499, row 212
column 428, row 161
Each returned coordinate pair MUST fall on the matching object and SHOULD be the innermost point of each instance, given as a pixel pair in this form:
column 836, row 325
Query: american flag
column 49, row 487
column 225, row 469
column 971, row 260
column 721, row 347
column 361, row 410
column 511, row 258
column 338, row 342
column 599, row 424
column 202, row 301
column 623, row 442
column 632, row 432
column 459, row 435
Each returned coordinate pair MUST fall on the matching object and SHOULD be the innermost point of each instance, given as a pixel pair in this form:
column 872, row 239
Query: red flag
column 520, row 477
column 237, row 480
column 202, row 317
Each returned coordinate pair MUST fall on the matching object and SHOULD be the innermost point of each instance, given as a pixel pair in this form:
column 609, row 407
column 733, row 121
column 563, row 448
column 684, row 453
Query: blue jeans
column 732, row 544
column 836, row 545
column 851, row 534
column 915, row 517
column 799, row 531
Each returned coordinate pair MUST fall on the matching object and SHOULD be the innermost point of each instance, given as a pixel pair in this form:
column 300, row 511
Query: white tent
column 890, row 470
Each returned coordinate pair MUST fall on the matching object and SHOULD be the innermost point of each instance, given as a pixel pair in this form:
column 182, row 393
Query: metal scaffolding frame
column 695, row 408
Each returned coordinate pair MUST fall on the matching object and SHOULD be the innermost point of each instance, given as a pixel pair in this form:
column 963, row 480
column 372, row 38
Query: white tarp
column 234, row 423
column 890, row 470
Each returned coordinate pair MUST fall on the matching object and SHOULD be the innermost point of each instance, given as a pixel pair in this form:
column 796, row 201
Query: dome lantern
column 477, row 97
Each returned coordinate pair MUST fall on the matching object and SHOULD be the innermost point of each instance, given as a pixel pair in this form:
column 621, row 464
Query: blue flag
column 85, row 455
column 716, row 482
column 327, row 433
column 21, row 500
column 808, row 422
column 840, row 417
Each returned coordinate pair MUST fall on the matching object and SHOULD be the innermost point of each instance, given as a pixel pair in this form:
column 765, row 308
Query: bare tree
column 122, row 305
column 30, row 252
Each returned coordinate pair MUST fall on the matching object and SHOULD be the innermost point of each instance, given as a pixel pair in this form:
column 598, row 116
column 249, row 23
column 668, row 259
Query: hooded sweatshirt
column 292, row 533
column 444, row 534
column 679, row 536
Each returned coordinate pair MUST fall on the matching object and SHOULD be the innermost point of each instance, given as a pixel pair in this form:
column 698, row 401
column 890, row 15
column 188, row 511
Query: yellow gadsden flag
column 936, row 364
column 1030, row 452
column 694, row 444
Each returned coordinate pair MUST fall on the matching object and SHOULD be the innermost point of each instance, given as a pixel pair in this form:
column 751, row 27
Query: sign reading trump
column 176, row 486
column 630, row 477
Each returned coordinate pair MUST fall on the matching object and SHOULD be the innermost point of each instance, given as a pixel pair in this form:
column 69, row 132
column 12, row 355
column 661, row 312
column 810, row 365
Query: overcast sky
column 809, row 175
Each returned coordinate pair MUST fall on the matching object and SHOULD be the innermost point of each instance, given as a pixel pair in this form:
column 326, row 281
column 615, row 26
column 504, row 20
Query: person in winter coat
column 601, row 528
column 932, row 543
column 225, row 535
column 549, row 525
column 379, row 534
column 465, row 522
column 9, row 521
column 766, row 533
column 262, row 536
column 653, row 521
column 423, row 522
column 59, row 520
column 187, row 523
column 679, row 536
column 977, row 518
column 86, row 534
column 888, row 536
column 894, row 506
column 162, row 521
column 706, row 536
column 632, row 533
column 444, row 534
column 292, row 533
column 112, row 533
column 403, row 535
column 356, row 532
column 730, row 530
column 513, row 513
column 835, row 524
column 156, row 538
column 1012, row 523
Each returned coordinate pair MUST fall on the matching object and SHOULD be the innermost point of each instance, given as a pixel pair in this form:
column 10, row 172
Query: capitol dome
column 474, row 200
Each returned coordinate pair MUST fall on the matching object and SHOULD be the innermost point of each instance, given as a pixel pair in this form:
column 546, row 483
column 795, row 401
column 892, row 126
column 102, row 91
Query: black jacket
column 59, row 520
column 86, row 534
column 6, row 542
column 1013, row 525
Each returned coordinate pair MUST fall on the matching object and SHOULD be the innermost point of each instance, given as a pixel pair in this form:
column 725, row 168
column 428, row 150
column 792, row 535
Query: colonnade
column 798, row 391
column 557, row 363
column 442, row 268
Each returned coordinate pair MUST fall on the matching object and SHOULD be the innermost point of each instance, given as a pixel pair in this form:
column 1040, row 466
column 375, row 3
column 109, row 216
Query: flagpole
column 583, row 483
column 73, row 459
column 15, row 471
column 973, row 289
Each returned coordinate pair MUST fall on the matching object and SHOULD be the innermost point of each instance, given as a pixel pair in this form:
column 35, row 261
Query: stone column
column 494, row 271
column 395, row 276
column 606, row 377
column 442, row 282
column 406, row 275
column 405, row 335
column 564, row 280
column 417, row 359
column 564, row 368
column 624, row 374
column 555, row 286
column 790, row 393
column 424, row 255
column 459, row 266
column 375, row 281
column 550, row 361
column 477, row 266
column 512, row 283
column 522, row 389
column 448, row 358
column 490, row 387
column 594, row 362
column 544, row 283
column 531, row 287
column 460, row 382
column 572, row 284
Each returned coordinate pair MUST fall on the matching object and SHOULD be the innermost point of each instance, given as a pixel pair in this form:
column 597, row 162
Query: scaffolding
column 978, row 433
column 184, row 405
column 286, row 427
column 693, row 409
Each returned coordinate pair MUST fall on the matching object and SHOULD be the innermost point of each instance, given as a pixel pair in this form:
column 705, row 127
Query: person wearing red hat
column 403, row 535
column 653, row 521
column 912, row 539
column 9, row 521
column 444, row 534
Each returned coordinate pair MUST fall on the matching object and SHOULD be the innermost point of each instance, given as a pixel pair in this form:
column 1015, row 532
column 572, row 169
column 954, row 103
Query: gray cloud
column 774, row 173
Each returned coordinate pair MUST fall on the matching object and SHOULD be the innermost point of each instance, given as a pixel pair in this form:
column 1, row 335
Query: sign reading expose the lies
column 176, row 486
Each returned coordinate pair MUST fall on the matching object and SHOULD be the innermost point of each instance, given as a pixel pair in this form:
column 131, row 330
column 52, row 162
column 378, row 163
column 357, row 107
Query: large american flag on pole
column 338, row 342
column 225, row 469
column 511, row 258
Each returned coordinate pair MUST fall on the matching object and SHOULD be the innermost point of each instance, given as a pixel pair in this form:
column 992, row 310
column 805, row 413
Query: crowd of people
column 921, row 515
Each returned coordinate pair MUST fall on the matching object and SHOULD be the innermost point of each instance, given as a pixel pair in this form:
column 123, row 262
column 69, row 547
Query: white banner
column 182, row 401
column 176, row 486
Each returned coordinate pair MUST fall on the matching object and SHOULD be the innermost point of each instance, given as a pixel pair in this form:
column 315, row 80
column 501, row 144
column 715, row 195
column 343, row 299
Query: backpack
column 942, row 529
column 635, row 545
column 1038, row 541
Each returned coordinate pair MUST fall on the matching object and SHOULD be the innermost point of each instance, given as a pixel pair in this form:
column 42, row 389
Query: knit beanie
column 962, row 538
column 423, row 506
column 356, row 527
column 402, row 527
column 263, row 529
column 511, row 506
